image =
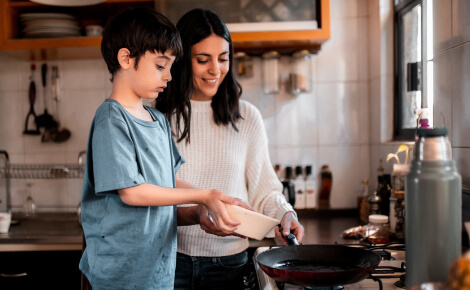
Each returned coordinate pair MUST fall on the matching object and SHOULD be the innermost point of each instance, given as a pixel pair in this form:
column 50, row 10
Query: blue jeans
column 210, row 273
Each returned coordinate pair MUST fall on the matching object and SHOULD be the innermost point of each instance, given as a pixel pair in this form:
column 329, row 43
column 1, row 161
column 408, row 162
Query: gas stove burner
column 283, row 286
column 401, row 283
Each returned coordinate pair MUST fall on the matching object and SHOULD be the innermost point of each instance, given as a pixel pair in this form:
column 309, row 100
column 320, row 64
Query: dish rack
column 39, row 171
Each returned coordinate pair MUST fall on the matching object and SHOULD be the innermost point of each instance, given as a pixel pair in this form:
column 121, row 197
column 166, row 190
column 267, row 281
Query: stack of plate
column 49, row 25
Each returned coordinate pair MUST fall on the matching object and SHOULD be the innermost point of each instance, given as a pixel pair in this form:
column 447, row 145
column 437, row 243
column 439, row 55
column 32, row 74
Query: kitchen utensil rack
column 39, row 171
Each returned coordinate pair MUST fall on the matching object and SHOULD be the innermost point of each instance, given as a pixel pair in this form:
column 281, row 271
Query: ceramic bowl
column 253, row 225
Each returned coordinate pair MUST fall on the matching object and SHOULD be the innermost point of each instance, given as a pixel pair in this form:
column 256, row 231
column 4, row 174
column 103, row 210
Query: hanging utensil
column 32, row 99
column 62, row 133
column 45, row 120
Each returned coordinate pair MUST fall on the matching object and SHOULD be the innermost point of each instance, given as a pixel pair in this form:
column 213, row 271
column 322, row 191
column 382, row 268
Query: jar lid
column 271, row 54
column 378, row 218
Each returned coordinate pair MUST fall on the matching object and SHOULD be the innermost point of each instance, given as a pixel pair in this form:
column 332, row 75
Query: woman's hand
column 289, row 222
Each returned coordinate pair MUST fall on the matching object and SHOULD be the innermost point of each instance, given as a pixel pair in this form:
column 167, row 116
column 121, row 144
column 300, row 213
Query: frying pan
column 317, row 265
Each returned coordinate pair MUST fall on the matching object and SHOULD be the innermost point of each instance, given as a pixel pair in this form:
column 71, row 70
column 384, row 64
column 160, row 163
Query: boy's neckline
column 154, row 119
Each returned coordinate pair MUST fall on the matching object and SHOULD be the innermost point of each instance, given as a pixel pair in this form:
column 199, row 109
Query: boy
column 129, row 215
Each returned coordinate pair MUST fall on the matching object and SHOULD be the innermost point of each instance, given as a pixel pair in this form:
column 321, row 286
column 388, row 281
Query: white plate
column 36, row 16
column 68, row 2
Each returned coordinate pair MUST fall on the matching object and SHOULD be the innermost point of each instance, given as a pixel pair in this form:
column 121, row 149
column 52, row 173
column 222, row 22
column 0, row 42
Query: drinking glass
column 29, row 205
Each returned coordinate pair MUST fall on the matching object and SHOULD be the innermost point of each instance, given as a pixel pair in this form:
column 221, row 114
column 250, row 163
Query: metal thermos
column 433, row 208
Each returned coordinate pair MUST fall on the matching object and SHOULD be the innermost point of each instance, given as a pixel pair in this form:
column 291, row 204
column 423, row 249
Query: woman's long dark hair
column 195, row 26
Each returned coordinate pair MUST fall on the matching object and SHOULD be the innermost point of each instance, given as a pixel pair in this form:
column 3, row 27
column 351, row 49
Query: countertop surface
column 61, row 231
column 45, row 231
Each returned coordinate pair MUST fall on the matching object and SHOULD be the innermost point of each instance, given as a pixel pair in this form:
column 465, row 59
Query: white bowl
column 253, row 225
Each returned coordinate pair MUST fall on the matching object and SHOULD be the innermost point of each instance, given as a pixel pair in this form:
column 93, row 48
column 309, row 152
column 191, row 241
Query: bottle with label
column 299, row 185
column 385, row 192
column 310, row 189
column 277, row 169
column 363, row 201
column 288, row 186
column 433, row 207
column 326, row 179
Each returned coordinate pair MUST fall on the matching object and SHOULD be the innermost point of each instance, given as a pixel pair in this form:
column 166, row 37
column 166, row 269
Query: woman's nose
column 214, row 68
column 167, row 77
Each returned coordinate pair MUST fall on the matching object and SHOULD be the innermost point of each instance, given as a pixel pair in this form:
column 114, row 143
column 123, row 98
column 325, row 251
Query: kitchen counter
column 44, row 232
column 61, row 231
column 321, row 227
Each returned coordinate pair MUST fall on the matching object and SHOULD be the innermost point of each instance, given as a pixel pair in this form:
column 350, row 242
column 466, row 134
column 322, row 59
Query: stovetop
column 388, row 275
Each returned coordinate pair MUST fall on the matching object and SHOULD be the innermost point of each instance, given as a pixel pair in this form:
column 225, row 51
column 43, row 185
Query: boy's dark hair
column 139, row 30
column 195, row 26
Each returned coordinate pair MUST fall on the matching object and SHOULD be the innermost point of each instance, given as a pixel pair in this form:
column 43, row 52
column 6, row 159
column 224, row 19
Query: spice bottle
column 299, row 185
column 378, row 229
column 326, row 180
column 433, row 207
column 374, row 203
column 363, row 201
column 310, row 189
column 385, row 192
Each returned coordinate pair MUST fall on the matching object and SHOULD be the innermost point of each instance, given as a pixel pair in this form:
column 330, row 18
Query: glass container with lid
column 271, row 72
column 300, row 77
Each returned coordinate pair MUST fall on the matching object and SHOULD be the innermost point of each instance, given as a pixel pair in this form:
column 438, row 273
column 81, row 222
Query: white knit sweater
column 236, row 163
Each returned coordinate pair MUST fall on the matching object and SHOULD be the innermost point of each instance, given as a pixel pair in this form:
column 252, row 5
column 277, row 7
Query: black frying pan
column 317, row 265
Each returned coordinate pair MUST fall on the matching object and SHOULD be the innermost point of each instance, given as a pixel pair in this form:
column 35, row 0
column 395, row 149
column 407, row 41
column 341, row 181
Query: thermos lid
column 434, row 132
column 298, row 170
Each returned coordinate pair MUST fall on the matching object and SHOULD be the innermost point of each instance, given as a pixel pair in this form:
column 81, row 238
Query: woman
column 225, row 147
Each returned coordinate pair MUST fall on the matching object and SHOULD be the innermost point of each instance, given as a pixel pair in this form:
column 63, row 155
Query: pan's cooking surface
column 306, row 266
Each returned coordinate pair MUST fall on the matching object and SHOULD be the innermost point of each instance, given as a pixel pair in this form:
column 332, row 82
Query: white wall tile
column 442, row 25
column 75, row 74
column 12, row 122
column 10, row 73
column 339, row 113
column 461, row 157
column 461, row 99
column 349, row 165
column 296, row 122
column 442, row 112
column 339, row 57
column 364, row 49
column 344, row 9
column 299, row 156
column 460, row 21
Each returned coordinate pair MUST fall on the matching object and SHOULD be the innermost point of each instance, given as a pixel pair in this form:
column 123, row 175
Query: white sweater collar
column 201, row 106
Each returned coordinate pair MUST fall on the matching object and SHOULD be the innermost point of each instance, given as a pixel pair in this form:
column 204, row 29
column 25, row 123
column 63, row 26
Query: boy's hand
column 215, row 204
column 209, row 227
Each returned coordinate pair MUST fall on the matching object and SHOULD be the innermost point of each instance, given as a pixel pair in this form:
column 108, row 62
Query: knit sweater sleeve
column 263, row 186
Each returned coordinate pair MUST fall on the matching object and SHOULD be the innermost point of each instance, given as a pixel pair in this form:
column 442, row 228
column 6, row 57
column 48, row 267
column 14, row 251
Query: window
column 413, row 65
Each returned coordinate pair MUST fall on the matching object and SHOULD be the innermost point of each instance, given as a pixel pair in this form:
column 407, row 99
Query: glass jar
column 300, row 77
column 271, row 72
column 378, row 229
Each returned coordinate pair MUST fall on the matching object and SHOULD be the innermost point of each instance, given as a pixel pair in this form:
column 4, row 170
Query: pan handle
column 290, row 239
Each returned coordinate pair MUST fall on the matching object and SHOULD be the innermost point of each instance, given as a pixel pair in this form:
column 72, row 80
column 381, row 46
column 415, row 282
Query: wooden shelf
column 84, row 47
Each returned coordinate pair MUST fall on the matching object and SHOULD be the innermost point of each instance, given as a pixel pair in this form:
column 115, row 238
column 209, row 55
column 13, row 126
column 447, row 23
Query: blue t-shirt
column 128, row 247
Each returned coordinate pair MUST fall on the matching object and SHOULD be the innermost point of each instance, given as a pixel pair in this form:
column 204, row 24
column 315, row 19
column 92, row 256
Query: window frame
column 403, row 7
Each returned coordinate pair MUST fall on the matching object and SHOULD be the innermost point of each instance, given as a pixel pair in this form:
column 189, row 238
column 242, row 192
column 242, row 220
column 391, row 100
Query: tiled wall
column 334, row 124
column 452, row 77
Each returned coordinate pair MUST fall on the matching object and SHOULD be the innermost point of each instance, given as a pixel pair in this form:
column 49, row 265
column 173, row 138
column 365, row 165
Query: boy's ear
column 124, row 58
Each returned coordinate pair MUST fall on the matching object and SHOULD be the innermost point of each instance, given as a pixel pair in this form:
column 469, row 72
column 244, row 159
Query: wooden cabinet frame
column 66, row 48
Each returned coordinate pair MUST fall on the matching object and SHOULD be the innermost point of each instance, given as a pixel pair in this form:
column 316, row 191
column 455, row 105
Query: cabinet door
column 40, row 270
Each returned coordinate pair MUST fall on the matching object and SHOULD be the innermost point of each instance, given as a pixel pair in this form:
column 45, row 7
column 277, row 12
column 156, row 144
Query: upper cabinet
column 254, row 37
